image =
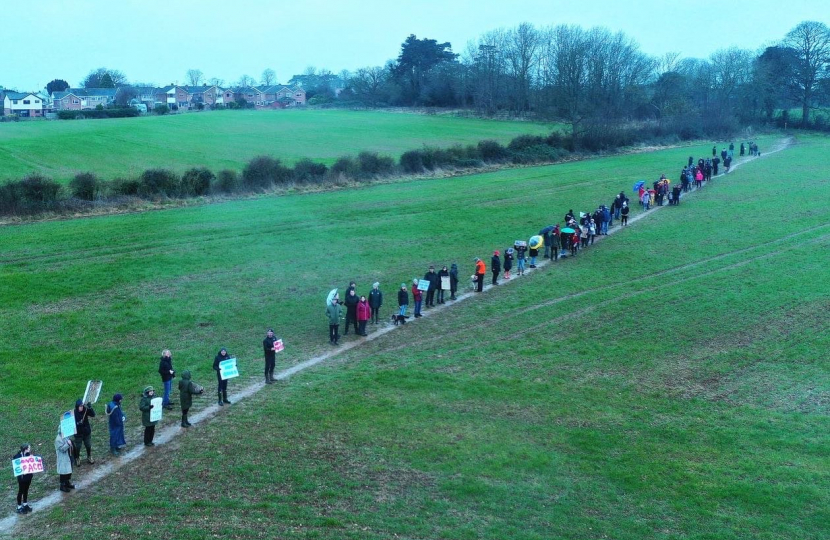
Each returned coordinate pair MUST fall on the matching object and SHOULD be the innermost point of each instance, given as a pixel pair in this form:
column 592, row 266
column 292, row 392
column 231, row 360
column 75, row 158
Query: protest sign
column 27, row 465
column 445, row 283
column 423, row 285
column 156, row 411
column 228, row 369
column 278, row 346
column 93, row 390
column 68, row 424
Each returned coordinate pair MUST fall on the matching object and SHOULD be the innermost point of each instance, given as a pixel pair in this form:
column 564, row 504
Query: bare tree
column 215, row 81
column 194, row 77
column 369, row 85
column 731, row 68
column 522, row 45
column 668, row 63
column 811, row 42
column 246, row 80
column 269, row 77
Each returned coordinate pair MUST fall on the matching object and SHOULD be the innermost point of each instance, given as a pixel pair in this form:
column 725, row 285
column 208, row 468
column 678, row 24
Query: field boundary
column 170, row 432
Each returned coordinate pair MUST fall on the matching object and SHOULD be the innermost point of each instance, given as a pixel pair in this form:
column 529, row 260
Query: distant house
column 79, row 99
column 278, row 96
column 189, row 97
column 138, row 95
column 25, row 105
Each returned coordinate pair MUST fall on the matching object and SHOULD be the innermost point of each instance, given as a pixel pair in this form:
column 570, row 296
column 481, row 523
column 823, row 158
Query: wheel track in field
column 168, row 433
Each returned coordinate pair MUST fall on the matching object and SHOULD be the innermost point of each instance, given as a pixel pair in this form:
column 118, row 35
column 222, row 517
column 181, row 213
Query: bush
column 492, row 151
column 523, row 142
column 125, row 112
column 371, row 164
column 124, row 186
column 159, row 182
column 39, row 190
column 227, row 181
column 263, row 172
column 161, row 109
column 196, row 182
column 306, row 170
column 345, row 166
column 412, row 162
column 537, row 154
column 85, row 186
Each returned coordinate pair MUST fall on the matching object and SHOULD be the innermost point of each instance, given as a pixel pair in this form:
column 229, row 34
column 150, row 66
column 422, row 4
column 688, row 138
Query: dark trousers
column 440, row 296
column 555, row 250
column 625, row 220
column 222, row 386
column 351, row 318
column 87, row 442
column 184, row 416
column 479, row 282
column 23, row 490
column 149, row 433
column 375, row 314
column 362, row 326
column 270, row 363
column 453, row 289
column 333, row 333
column 430, row 296
column 495, row 277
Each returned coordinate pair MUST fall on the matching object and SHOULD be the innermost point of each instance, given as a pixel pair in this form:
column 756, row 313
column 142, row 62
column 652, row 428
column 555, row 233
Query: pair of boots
column 185, row 423
column 67, row 486
column 24, row 508
column 223, row 398
column 269, row 375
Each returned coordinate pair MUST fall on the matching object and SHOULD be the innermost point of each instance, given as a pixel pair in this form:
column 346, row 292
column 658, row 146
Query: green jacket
column 333, row 312
column 187, row 388
column 144, row 407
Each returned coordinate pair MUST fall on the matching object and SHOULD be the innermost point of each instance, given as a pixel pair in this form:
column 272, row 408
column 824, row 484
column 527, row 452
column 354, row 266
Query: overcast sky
column 157, row 41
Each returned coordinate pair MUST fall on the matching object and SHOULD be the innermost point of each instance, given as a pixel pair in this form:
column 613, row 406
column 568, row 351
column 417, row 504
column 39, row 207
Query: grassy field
column 228, row 139
column 670, row 382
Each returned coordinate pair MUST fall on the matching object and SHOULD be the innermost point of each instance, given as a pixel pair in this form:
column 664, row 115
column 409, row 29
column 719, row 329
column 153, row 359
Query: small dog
column 399, row 319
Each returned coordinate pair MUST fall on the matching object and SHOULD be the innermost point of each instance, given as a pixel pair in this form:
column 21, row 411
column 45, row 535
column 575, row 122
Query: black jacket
column 434, row 280
column 268, row 347
column 441, row 275
column 220, row 358
column 165, row 366
column 495, row 264
column 454, row 277
column 508, row 261
column 23, row 478
column 375, row 298
column 403, row 298
column 351, row 302
column 82, row 420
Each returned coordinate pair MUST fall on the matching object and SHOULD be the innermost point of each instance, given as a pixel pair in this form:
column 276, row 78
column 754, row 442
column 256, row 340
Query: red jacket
column 416, row 293
column 363, row 311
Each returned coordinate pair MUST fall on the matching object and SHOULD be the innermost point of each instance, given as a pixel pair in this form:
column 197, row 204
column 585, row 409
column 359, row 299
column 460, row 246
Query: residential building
column 23, row 104
column 79, row 99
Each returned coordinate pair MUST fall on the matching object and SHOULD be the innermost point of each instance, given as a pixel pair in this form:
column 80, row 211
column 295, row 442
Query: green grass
column 670, row 382
column 228, row 139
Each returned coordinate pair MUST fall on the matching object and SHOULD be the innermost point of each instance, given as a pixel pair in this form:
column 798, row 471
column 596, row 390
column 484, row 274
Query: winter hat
column 375, row 284
column 414, row 280
column 496, row 252
column 148, row 389
column 117, row 397
column 403, row 285
column 79, row 402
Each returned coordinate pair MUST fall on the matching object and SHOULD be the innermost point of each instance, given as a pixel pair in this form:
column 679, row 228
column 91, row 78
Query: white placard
column 157, row 410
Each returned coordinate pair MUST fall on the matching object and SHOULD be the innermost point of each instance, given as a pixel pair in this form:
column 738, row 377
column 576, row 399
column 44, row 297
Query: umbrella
column 509, row 251
column 536, row 242
column 546, row 230
column 568, row 230
column 331, row 295
column 638, row 185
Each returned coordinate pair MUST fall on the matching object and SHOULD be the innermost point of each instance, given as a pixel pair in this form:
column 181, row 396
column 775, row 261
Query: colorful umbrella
column 331, row 295
column 638, row 185
column 536, row 242
column 568, row 230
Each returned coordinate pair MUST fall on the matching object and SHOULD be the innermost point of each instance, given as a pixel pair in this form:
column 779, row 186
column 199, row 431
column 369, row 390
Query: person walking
column 434, row 285
column 63, row 451
column 83, row 431
column 521, row 250
column 187, row 389
column 334, row 313
column 444, row 273
column 592, row 231
column 116, row 419
column 222, row 386
column 495, row 267
column 453, row 280
column 23, row 482
column 145, row 406
column 481, row 269
column 508, row 262
column 375, row 301
column 167, row 373
column 403, row 304
column 351, row 310
column 417, row 297
column 624, row 214
column 363, row 314
column 270, row 356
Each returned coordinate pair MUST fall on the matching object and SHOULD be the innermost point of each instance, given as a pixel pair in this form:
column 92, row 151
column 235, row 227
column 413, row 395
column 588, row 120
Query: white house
column 25, row 105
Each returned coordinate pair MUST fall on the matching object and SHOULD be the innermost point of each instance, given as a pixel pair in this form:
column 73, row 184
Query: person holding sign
column 434, row 285
column 63, row 450
column 417, row 295
column 167, row 373
column 23, row 482
column 145, row 406
column 116, row 420
column 222, row 386
column 270, row 356
column 83, row 431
